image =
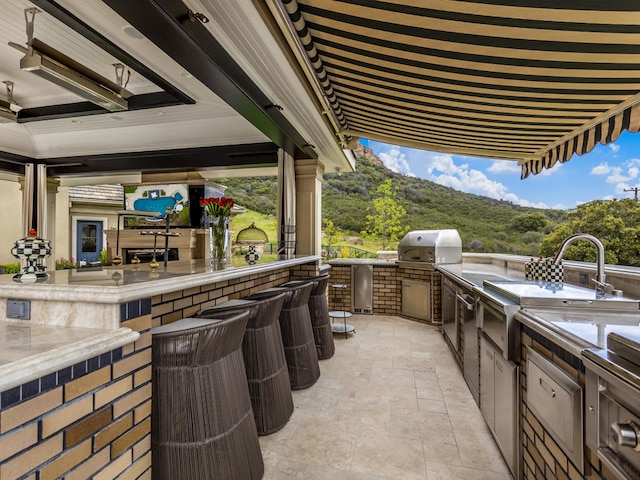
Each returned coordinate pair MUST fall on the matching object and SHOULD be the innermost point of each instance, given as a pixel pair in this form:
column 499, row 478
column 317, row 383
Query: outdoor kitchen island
column 80, row 404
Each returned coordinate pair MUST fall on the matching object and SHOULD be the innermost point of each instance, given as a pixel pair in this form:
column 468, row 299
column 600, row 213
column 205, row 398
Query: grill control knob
column 627, row 434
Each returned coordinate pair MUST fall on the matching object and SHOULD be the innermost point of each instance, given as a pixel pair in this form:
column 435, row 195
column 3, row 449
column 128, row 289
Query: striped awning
column 535, row 82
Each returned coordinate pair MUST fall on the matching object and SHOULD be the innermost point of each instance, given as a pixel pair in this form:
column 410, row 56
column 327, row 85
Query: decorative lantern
column 254, row 238
column 34, row 250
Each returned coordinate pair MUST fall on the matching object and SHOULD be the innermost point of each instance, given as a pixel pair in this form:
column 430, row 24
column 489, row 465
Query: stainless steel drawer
column 556, row 401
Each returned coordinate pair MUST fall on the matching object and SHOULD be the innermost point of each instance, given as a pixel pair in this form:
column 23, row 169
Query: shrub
column 65, row 264
column 11, row 267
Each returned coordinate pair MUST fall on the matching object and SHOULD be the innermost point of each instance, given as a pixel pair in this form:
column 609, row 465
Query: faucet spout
column 600, row 275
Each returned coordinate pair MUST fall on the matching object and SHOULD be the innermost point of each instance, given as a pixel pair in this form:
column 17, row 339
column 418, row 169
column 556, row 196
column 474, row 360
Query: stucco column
column 52, row 194
column 309, row 206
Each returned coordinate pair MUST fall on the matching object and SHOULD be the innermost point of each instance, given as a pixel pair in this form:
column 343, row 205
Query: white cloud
column 395, row 161
column 442, row 169
column 547, row 172
column 625, row 190
column 614, row 148
column 617, row 176
column 504, row 166
column 513, row 198
column 634, row 162
column 602, row 169
column 441, row 162
column 475, row 181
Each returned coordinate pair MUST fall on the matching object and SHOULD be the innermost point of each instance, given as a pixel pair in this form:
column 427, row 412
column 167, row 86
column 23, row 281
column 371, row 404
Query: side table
column 339, row 290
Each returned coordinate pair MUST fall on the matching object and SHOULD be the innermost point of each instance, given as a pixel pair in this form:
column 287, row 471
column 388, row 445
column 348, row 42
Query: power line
column 634, row 189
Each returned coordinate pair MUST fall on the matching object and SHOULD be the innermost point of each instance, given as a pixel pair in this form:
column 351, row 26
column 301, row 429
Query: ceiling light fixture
column 52, row 65
column 7, row 107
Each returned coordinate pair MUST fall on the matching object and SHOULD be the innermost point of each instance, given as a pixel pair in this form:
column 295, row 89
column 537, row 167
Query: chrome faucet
column 602, row 287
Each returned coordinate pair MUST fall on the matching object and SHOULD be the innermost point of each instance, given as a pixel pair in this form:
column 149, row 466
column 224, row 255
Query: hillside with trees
column 616, row 223
column 485, row 224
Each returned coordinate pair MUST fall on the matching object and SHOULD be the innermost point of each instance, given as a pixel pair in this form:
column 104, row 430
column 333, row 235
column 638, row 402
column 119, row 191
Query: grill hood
column 431, row 247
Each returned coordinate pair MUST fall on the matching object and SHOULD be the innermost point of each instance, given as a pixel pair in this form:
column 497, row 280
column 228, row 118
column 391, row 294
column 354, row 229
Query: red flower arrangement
column 217, row 207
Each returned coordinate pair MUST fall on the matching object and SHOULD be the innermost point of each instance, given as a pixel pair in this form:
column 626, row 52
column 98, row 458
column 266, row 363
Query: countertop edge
column 560, row 337
column 17, row 373
column 120, row 294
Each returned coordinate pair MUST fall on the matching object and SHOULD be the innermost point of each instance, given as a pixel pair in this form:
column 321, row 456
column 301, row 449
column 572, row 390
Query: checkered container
column 539, row 269
column 528, row 270
column 555, row 273
column 252, row 257
column 32, row 249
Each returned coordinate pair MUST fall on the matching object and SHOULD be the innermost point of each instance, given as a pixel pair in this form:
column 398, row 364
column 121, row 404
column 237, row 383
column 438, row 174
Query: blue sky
column 604, row 173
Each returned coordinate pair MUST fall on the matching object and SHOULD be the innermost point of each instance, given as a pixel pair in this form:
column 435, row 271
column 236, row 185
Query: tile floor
column 390, row 405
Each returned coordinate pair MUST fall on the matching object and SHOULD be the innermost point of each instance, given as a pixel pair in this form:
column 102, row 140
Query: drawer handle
column 467, row 300
column 548, row 388
column 577, row 302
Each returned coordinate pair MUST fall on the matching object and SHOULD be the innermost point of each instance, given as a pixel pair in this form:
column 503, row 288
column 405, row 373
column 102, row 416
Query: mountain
column 485, row 224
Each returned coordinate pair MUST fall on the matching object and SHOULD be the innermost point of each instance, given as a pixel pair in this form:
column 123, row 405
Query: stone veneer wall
column 542, row 456
column 93, row 419
column 173, row 306
column 387, row 289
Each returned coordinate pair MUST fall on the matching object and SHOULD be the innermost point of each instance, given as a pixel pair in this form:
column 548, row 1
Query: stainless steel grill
column 430, row 247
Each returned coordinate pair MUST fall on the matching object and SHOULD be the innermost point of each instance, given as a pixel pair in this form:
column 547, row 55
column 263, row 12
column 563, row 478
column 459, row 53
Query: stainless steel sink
column 530, row 293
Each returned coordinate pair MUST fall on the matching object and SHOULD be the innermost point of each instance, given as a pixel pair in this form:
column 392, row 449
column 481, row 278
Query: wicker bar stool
column 264, row 361
column 319, row 314
column 320, row 318
column 297, row 334
column 202, row 423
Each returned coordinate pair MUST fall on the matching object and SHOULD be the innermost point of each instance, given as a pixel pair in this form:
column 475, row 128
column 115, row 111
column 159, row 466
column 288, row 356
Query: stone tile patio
column 390, row 405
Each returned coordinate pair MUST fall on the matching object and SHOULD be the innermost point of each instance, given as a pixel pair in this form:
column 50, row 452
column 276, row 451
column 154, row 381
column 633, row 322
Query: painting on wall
column 161, row 200
column 180, row 201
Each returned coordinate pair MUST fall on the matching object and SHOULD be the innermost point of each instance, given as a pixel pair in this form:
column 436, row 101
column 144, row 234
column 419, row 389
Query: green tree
column 331, row 234
column 385, row 220
column 529, row 222
column 616, row 223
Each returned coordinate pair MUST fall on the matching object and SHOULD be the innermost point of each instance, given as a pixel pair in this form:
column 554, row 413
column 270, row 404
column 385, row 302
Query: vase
column 252, row 257
column 218, row 242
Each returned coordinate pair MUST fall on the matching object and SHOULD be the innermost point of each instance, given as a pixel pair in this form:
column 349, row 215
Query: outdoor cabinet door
column 506, row 408
column 487, row 382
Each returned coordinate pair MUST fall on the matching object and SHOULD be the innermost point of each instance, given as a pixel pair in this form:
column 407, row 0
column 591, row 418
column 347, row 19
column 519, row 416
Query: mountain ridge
column 485, row 224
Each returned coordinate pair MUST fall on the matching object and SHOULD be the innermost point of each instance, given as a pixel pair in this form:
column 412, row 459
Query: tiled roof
column 98, row 192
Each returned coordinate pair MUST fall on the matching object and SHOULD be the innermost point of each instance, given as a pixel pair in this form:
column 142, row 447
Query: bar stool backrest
column 272, row 293
column 200, row 345
column 320, row 285
column 262, row 312
column 299, row 295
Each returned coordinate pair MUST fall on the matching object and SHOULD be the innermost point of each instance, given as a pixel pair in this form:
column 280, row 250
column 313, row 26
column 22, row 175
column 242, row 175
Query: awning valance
column 603, row 132
column 533, row 82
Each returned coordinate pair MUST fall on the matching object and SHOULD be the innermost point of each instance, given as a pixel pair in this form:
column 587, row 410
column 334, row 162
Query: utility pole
column 634, row 189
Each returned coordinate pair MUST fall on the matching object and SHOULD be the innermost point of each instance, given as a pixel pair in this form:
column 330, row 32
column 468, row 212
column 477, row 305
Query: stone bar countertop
column 29, row 351
column 130, row 282
column 75, row 314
